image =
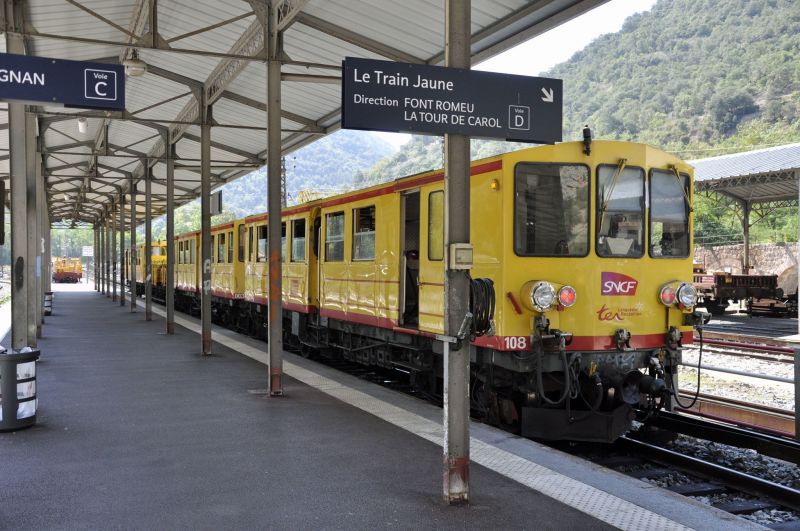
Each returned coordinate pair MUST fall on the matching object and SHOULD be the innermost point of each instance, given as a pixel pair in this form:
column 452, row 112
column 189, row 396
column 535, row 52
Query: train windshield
column 620, row 211
column 551, row 210
column 669, row 214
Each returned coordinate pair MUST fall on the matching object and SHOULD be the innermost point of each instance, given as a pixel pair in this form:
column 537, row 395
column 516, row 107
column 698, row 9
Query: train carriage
column 581, row 272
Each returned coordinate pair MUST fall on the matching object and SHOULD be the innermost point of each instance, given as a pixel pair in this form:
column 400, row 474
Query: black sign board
column 411, row 98
column 61, row 82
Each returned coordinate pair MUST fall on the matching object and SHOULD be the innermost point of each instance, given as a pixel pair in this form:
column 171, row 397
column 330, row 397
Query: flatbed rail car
column 67, row 270
column 581, row 280
column 760, row 292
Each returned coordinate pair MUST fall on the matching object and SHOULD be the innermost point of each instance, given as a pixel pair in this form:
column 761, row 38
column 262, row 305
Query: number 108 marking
column 515, row 342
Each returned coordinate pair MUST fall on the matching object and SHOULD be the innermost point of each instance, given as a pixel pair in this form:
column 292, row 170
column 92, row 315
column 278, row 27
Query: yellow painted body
column 67, row 265
column 187, row 267
column 227, row 260
column 372, row 290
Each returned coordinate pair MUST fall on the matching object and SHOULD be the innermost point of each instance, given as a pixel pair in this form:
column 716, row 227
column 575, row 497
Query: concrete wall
column 766, row 259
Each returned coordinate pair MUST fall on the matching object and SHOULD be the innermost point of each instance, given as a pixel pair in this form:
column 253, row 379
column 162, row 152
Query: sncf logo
column 617, row 284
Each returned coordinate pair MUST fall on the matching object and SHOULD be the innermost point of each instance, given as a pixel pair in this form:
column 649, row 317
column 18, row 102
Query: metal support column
column 205, row 228
column 30, row 217
column 107, row 250
column 48, row 286
column 148, row 243
column 275, row 320
column 113, row 223
column 103, row 277
column 746, row 232
column 96, row 254
column 19, row 201
column 457, row 283
column 121, row 224
column 797, row 394
column 132, row 252
column 41, row 203
column 170, row 281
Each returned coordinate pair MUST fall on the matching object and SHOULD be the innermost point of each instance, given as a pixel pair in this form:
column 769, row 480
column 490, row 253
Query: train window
column 364, row 233
column 220, row 248
column 620, row 211
column 298, row 240
column 551, row 210
column 283, row 241
column 334, row 237
column 179, row 249
column 251, row 250
column 230, row 247
column 436, row 225
column 242, row 231
column 669, row 214
column 263, row 234
column 192, row 251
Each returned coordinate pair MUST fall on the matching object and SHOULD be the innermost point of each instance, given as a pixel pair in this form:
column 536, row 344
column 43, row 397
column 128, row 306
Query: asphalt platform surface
column 137, row 431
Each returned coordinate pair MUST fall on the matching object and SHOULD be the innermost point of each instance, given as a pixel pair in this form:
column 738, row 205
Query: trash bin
column 18, row 388
column 48, row 302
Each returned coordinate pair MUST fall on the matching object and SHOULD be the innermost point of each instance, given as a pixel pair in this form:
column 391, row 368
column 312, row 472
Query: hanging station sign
column 30, row 79
column 424, row 99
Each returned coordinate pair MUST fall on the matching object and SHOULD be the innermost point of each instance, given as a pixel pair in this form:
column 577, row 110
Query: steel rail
column 756, row 486
column 771, row 445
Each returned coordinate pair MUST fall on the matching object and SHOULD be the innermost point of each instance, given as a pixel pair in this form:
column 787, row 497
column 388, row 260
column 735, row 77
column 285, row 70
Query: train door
column 431, row 261
column 409, row 259
column 314, row 234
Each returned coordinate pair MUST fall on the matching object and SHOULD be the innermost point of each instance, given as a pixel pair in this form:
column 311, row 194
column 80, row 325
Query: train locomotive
column 67, row 270
column 582, row 278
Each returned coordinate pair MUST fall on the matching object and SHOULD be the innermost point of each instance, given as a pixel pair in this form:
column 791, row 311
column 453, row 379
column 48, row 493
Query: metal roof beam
column 351, row 37
column 251, row 157
column 261, row 106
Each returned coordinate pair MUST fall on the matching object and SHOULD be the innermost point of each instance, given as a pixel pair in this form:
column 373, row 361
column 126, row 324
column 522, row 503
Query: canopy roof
column 214, row 50
column 761, row 176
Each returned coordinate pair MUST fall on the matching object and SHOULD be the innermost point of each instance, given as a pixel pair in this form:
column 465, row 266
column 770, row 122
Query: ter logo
column 617, row 284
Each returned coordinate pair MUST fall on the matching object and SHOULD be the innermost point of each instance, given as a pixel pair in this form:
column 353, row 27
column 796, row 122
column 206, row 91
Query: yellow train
column 588, row 249
column 67, row 270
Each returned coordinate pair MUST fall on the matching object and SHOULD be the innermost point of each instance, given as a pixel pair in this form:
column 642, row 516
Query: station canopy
column 214, row 50
column 765, row 176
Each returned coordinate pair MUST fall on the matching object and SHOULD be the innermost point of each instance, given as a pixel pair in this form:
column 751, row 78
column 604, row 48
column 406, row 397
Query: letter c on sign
column 97, row 89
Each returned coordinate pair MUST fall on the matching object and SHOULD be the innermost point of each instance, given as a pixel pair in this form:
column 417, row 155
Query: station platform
column 136, row 430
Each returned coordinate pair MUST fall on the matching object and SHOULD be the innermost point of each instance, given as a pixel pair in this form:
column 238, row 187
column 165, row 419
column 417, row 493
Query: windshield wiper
column 607, row 197
column 680, row 185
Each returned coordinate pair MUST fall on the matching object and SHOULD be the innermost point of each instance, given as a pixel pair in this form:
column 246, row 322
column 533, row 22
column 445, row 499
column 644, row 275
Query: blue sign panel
column 58, row 81
column 424, row 99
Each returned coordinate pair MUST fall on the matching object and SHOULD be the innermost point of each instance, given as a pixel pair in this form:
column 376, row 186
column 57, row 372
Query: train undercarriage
column 546, row 393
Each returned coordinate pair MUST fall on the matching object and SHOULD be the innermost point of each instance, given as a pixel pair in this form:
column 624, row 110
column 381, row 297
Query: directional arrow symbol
column 548, row 95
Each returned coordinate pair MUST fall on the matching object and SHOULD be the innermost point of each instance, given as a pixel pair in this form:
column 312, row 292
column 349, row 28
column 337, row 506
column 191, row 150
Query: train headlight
column 667, row 295
column 687, row 295
column 567, row 296
column 543, row 295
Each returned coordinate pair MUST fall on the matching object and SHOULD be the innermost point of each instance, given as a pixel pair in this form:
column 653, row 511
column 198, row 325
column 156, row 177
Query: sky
column 541, row 53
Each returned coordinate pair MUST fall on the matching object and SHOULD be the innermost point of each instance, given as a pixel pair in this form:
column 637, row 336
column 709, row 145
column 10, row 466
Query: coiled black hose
column 481, row 304
column 697, row 391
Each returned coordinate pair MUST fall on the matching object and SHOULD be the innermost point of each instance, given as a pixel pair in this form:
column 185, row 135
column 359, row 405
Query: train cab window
column 620, row 211
column 364, row 233
column 551, row 210
column 263, row 233
column 230, row 247
column 283, row 241
column 669, row 214
column 298, row 240
column 242, row 230
column 334, row 237
column 220, row 247
column 436, row 225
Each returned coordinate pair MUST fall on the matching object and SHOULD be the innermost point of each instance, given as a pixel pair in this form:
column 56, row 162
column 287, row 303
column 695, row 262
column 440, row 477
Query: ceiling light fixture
column 83, row 125
column 134, row 66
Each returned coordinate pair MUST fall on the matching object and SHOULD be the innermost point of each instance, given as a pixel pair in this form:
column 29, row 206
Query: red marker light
column 567, row 296
column 667, row 295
